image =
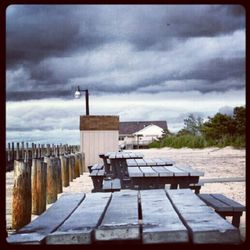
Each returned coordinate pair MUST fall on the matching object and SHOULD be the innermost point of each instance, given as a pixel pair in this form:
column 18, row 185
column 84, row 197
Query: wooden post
column 17, row 152
column 21, row 205
column 77, row 165
column 38, row 183
column 22, row 151
column 71, row 167
column 51, row 179
column 65, row 170
column 13, row 152
column 59, row 175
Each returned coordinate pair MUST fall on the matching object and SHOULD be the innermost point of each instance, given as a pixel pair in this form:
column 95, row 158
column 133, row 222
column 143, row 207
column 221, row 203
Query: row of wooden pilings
column 39, row 178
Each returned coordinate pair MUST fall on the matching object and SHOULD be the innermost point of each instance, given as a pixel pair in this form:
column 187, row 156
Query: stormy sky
column 141, row 62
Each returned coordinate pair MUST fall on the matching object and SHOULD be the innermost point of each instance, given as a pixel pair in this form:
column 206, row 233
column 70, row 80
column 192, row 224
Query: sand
column 214, row 162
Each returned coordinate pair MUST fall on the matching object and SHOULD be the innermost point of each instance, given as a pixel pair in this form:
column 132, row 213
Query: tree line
column 221, row 130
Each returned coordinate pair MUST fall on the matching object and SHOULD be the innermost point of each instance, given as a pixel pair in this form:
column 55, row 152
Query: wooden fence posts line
column 40, row 173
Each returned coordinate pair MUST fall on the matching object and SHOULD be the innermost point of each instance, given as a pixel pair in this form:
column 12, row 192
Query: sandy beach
column 214, row 162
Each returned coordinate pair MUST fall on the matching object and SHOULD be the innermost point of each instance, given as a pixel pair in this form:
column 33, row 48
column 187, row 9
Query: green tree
column 239, row 117
column 192, row 125
column 219, row 126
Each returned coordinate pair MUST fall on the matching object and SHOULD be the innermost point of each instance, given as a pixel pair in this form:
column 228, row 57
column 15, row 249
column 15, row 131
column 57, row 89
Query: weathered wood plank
column 94, row 172
column 131, row 163
column 101, row 172
column 162, row 171
column 78, row 228
column 120, row 221
column 150, row 162
column 191, row 171
column 176, row 171
column 168, row 162
column 116, row 184
column 161, row 224
column 36, row 231
column 141, row 162
column 148, row 171
column 159, row 161
column 134, row 172
column 107, row 184
column 217, row 204
column 205, row 226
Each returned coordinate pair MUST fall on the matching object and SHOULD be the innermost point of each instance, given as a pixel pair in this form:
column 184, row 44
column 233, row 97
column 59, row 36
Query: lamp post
column 78, row 94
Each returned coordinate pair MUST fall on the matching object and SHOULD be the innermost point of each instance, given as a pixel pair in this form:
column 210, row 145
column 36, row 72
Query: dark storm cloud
column 44, row 40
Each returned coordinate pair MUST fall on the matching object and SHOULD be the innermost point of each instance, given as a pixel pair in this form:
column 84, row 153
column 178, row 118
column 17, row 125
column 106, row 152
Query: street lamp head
column 77, row 94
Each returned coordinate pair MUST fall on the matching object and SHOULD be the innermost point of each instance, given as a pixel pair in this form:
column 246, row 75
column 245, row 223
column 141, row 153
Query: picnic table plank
column 161, row 223
column 162, row 171
column 140, row 162
column 36, row 231
column 120, row 221
column 134, row 172
column 168, row 162
column 148, row 171
column 191, row 171
column 101, row 172
column 159, row 161
column 205, row 226
column 176, row 171
column 131, row 163
column 78, row 228
column 150, row 162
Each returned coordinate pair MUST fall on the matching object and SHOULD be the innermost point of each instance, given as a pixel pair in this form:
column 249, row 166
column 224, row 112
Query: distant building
column 140, row 133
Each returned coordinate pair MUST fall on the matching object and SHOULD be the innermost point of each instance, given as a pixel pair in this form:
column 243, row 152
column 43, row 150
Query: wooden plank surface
column 131, row 163
column 162, row 171
column 191, row 171
column 78, row 228
column 176, row 171
column 159, row 161
column 161, row 224
column 150, row 162
column 168, row 162
column 205, row 226
column 148, row 171
column 211, row 201
column 140, row 162
column 134, row 172
column 38, row 229
column 120, row 221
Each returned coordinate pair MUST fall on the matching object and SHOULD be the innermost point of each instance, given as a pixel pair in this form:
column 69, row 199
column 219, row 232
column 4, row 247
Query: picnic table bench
column 145, row 217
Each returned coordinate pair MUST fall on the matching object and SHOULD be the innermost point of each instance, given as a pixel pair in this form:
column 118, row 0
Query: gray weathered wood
column 141, row 162
column 235, row 205
column 150, row 162
column 167, row 162
column 120, row 221
column 148, row 171
column 78, row 228
column 161, row 224
column 191, row 171
column 205, row 226
column 36, row 231
column 135, row 172
column 162, row 171
column 176, row 171
column 131, row 163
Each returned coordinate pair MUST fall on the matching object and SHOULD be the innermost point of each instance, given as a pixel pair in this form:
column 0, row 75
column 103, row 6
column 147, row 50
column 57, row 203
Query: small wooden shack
column 98, row 134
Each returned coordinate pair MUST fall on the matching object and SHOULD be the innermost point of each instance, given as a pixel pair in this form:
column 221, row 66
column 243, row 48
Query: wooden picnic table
column 157, row 176
column 144, row 217
column 118, row 164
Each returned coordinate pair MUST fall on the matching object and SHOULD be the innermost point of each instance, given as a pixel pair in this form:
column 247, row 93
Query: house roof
column 132, row 127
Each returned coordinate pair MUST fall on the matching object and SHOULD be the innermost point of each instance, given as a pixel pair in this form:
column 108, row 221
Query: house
column 140, row 133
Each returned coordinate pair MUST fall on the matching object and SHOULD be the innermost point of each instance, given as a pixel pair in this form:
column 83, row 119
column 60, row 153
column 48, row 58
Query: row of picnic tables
column 133, row 171
column 153, row 216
